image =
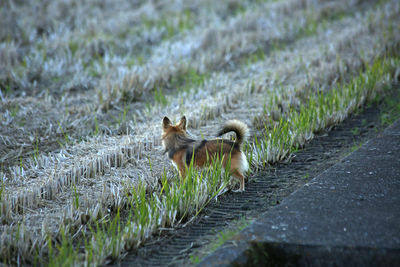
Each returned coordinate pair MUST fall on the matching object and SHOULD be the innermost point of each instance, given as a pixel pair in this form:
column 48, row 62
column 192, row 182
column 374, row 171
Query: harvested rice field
column 85, row 85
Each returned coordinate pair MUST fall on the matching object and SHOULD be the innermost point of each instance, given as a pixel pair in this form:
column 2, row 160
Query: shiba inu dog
column 181, row 148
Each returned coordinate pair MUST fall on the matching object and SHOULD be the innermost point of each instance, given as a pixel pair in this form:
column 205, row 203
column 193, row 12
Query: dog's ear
column 166, row 123
column 182, row 123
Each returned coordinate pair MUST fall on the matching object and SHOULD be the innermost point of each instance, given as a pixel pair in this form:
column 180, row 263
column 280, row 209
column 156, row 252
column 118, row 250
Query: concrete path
column 347, row 216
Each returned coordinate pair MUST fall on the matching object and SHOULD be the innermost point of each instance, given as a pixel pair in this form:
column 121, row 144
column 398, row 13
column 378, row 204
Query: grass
column 189, row 78
column 76, row 197
column 137, row 60
column 159, row 97
column 123, row 115
column 227, row 234
column 177, row 202
column 355, row 131
column 65, row 250
column 355, row 147
column 280, row 127
column 323, row 110
column 258, row 55
column 148, row 212
column 96, row 126
column 391, row 110
column 186, row 81
column 194, row 259
column 66, row 139
column 171, row 24
column 14, row 110
column 313, row 22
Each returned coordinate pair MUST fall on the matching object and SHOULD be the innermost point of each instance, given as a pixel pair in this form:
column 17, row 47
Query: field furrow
column 69, row 72
column 67, row 165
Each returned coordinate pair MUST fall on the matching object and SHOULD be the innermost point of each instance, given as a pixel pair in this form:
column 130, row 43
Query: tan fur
column 178, row 160
column 177, row 143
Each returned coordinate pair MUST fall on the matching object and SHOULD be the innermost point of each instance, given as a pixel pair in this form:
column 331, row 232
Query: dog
column 182, row 149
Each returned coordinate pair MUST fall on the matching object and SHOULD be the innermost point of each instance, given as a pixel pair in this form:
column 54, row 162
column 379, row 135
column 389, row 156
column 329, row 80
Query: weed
column 73, row 47
column 225, row 235
column 148, row 212
column 14, row 111
column 310, row 26
column 258, row 55
column 125, row 112
column 194, row 259
column 186, row 20
column 22, row 122
column 150, row 164
column 131, row 62
column 391, row 111
column 8, row 88
column 323, row 110
column 2, row 191
column 50, row 248
column 159, row 97
column 188, row 79
column 354, row 147
column 364, row 122
column 55, row 79
column 21, row 165
column 220, row 238
column 355, row 131
column 172, row 24
column 65, row 135
column 76, row 197
column 36, row 148
column 385, row 119
column 66, row 253
column 96, row 126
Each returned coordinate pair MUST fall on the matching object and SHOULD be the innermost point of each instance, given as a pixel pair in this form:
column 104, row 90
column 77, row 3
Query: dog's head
column 180, row 127
column 170, row 131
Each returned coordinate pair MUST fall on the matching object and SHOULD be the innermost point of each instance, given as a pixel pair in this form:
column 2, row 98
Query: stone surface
column 347, row 216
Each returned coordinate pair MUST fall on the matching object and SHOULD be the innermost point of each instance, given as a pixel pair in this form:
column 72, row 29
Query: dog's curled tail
column 238, row 127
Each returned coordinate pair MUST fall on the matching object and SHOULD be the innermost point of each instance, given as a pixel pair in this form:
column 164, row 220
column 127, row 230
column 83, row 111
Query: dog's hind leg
column 240, row 177
column 182, row 172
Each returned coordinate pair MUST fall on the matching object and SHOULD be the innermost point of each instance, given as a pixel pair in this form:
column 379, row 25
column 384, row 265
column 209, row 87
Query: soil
column 263, row 191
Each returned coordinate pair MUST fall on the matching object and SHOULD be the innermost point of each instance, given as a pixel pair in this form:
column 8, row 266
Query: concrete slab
column 347, row 216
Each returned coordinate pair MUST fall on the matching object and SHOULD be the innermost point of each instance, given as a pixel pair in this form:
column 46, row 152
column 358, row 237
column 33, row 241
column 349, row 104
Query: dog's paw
column 238, row 191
